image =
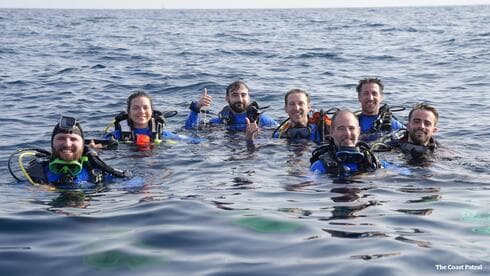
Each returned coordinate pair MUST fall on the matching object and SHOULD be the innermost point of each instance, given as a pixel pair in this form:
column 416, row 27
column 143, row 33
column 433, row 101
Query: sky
column 224, row 4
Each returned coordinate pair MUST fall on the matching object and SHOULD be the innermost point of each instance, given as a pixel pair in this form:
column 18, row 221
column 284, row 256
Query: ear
column 227, row 99
column 434, row 130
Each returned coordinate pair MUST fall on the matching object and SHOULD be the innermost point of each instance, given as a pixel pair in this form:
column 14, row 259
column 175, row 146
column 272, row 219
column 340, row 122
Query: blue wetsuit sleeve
column 168, row 135
column 396, row 125
column 192, row 120
column 395, row 168
column 267, row 122
column 318, row 168
column 216, row 121
column 116, row 134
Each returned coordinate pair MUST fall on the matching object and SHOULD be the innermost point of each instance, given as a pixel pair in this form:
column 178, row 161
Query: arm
column 395, row 124
column 195, row 107
column 167, row 135
column 267, row 122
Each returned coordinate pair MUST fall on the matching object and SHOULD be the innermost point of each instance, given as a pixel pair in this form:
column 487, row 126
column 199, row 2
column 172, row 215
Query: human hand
column 252, row 130
column 93, row 145
column 205, row 100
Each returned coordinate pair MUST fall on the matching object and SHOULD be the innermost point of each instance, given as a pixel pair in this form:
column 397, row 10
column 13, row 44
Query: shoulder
column 395, row 124
column 267, row 121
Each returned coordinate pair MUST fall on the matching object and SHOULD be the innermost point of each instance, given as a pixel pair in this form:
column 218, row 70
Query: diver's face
column 238, row 100
column 345, row 130
column 370, row 98
column 421, row 127
column 297, row 108
column 67, row 147
column 140, row 112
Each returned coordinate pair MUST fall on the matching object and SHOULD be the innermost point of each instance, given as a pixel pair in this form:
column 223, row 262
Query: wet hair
column 338, row 113
column 234, row 86
column 424, row 106
column 137, row 95
column 297, row 90
column 370, row 80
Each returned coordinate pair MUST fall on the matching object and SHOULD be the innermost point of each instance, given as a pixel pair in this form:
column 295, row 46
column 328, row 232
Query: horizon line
column 251, row 8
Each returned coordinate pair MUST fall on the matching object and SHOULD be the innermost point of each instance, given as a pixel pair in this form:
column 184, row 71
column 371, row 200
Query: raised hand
column 205, row 100
column 252, row 130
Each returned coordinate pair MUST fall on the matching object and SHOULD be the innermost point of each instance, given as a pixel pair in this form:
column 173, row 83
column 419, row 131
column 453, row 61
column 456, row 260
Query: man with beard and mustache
column 375, row 119
column 71, row 163
column 345, row 155
column 299, row 124
column 417, row 140
column 240, row 114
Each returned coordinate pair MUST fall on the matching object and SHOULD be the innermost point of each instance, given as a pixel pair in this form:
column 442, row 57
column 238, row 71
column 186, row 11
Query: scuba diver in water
column 344, row 155
column 417, row 141
column 145, row 124
column 71, row 164
column 240, row 114
column 299, row 125
column 375, row 119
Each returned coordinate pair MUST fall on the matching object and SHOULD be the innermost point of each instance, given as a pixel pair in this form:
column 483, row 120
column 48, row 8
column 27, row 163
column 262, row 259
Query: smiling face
column 140, row 111
column 238, row 100
column 297, row 108
column 370, row 96
column 421, row 127
column 67, row 147
column 345, row 129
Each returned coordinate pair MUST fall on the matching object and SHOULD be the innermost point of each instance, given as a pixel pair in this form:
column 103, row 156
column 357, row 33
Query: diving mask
column 298, row 132
column 67, row 167
column 349, row 155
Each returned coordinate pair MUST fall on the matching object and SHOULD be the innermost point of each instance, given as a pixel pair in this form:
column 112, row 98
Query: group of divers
column 346, row 140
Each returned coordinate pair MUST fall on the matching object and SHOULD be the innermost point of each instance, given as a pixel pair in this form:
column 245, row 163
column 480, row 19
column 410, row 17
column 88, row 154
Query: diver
column 375, row 119
column 417, row 141
column 145, row 124
column 299, row 125
column 71, row 164
column 240, row 114
column 344, row 155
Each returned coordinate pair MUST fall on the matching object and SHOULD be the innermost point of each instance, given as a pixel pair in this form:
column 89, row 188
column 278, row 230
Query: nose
column 67, row 141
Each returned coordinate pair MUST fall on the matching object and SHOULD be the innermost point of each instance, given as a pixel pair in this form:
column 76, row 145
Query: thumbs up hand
column 205, row 100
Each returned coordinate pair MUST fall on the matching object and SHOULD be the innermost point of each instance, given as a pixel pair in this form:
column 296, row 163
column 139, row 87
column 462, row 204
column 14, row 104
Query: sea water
column 218, row 207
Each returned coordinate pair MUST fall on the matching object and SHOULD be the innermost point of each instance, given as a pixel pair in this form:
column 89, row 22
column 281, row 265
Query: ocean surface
column 218, row 208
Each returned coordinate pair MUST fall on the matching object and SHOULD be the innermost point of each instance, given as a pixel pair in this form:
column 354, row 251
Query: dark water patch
column 355, row 235
column 98, row 66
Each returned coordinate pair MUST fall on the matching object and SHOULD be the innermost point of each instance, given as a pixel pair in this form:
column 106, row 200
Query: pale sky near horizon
column 222, row 4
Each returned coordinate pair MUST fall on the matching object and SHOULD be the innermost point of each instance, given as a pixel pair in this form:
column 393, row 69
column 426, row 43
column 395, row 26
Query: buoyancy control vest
column 399, row 139
column 155, row 126
column 384, row 120
column 319, row 118
column 336, row 161
column 96, row 168
column 253, row 113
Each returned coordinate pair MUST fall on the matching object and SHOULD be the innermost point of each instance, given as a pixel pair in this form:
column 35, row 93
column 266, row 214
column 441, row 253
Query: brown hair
column 424, row 106
column 297, row 90
column 370, row 80
column 234, row 86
